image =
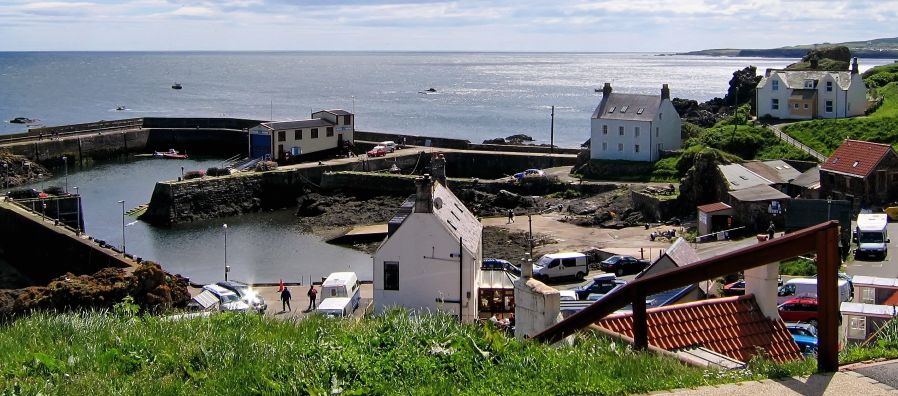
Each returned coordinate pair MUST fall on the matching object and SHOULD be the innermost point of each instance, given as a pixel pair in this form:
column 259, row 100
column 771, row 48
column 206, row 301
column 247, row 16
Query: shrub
column 213, row 171
column 194, row 174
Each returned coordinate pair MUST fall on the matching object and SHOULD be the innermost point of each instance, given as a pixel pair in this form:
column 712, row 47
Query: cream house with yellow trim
column 807, row 94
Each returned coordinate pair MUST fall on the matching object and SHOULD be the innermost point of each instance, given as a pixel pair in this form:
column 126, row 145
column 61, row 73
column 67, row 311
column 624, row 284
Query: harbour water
column 478, row 95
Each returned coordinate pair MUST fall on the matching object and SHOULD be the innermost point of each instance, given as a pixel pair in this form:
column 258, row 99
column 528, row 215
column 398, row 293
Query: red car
column 378, row 151
column 801, row 309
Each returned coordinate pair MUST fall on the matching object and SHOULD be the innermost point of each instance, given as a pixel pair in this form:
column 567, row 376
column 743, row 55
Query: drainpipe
column 461, row 274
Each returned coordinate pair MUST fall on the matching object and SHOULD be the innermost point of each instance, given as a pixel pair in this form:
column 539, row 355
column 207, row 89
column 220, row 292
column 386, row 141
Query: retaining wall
column 99, row 145
column 654, row 208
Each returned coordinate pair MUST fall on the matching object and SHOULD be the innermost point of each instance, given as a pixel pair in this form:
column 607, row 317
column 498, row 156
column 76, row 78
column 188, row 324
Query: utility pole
column 530, row 236
column 552, row 135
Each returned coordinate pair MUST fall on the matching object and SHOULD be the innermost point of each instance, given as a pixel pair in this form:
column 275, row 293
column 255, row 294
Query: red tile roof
column 732, row 326
column 714, row 207
column 856, row 157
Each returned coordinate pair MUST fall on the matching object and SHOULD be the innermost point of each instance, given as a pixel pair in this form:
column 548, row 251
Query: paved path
column 886, row 372
column 777, row 131
column 836, row 384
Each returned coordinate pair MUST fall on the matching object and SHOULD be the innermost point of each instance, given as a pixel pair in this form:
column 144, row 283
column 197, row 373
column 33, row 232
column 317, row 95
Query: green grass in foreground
column 99, row 354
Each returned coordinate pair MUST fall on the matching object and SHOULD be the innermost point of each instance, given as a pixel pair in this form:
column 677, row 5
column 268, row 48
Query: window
column 554, row 263
column 775, row 85
column 829, row 106
column 604, row 129
column 391, row 275
column 620, row 147
column 314, row 133
column 774, row 104
column 604, row 146
column 657, row 131
column 829, row 86
column 659, row 146
column 636, row 131
column 857, row 327
column 297, row 135
column 569, row 262
column 623, row 109
column 347, row 119
column 805, row 106
column 868, row 295
column 282, row 136
column 795, row 105
column 636, row 148
column 330, row 131
column 620, row 131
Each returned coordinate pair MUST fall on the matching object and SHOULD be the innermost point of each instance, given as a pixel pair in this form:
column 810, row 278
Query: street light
column 226, row 268
column 65, row 161
column 78, row 211
column 123, row 227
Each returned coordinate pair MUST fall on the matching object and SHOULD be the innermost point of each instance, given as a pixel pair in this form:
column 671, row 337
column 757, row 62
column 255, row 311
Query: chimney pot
column 854, row 68
column 424, row 195
column 665, row 92
column 606, row 90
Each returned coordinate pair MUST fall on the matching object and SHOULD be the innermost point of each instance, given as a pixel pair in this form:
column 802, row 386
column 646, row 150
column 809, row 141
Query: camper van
column 872, row 235
column 561, row 265
column 807, row 287
column 342, row 284
column 336, row 306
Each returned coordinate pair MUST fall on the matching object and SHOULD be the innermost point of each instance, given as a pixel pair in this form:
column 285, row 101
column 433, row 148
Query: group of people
column 286, row 297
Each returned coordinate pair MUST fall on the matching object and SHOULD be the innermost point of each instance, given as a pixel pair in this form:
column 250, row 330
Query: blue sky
column 486, row 25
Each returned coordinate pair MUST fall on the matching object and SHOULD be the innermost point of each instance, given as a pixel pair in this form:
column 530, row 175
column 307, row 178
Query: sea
column 476, row 96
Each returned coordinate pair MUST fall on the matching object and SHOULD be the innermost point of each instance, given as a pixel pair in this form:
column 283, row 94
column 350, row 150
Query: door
column 260, row 145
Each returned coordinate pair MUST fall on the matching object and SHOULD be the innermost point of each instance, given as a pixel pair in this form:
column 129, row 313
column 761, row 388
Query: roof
column 453, row 214
column 339, row 112
column 338, row 278
column 278, row 125
column 714, row 207
column 856, row 158
column 628, row 107
column 496, row 279
column 739, row 177
column 809, row 179
column 680, row 253
column 668, row 297
column 777, row 171
column 758, row 193
column 887, row 311
column 794, row 79
column 564, row 255
column 875, row 281
column 732, row 326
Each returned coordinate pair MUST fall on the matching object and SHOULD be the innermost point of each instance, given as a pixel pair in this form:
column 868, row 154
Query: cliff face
column 837, row 58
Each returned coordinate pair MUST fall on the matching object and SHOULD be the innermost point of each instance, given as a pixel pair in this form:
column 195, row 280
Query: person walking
column 285, row 300
column 313, row 294
column 770, row 231
column 510, row 216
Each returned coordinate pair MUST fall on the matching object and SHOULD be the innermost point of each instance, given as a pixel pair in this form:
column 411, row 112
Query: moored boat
column 170, row 154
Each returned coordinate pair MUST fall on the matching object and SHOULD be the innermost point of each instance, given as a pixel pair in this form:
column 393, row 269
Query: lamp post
column 78, row 211
column 123, row 226
column 65, row 162
column 226, row 268
column 6, row 177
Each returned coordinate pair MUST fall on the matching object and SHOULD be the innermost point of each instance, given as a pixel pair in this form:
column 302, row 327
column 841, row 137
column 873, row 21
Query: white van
column 342, row 284
column 560, row 265
column 389, row 144
column 336, row 306
column 807, row 287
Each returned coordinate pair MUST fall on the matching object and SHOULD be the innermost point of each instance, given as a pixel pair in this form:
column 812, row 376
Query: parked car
column 529, row 173
column 623, row 265
column 804, row 329
column 495, row 264
column 736, row 288
column 806, row 344
column 246, row 293
column 600, row 285
column 377, row 151
column 801, row 309
column 339, row 307
column 560, row 265
column 389, row 145
column 567, row 295
column 228, row 300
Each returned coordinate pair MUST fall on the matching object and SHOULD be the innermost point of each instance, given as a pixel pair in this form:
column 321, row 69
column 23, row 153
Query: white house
column 431, row 258
column 807, row 94
column 634, row 127
column 282, row 140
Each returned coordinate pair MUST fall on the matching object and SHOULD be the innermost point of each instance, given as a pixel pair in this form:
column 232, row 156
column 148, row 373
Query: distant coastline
column 790, row 52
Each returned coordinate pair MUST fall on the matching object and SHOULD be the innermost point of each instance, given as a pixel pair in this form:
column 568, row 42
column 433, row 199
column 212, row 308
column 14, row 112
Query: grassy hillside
column 748, row 142
column 100, row 354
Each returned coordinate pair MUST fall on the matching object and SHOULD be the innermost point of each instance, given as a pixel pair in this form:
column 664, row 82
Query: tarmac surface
column 886, row 372
column 841, row 383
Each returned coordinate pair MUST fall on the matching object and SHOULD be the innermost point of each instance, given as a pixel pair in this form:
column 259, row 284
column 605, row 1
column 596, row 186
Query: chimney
column 854, row 66
column 606, row 90
column 424, row 195
column 762, row 282
column 814, row 63
column 438, row 169
column 665, row 92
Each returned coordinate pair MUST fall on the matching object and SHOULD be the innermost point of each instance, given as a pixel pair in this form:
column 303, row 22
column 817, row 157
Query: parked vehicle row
column 382, row 149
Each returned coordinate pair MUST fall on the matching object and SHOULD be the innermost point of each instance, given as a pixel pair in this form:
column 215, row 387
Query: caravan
column 342, row 284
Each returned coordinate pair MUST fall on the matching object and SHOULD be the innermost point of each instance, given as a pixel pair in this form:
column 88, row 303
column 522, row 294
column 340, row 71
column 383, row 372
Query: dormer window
column 624, row 108
column 640, row 110
column 855, row 164
column 611, row 110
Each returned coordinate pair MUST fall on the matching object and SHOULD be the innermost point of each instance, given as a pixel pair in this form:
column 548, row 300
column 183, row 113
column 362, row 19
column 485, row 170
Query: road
column 887, row 268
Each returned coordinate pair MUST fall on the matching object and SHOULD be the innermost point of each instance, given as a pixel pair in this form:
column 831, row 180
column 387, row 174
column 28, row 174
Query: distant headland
column 876, row 48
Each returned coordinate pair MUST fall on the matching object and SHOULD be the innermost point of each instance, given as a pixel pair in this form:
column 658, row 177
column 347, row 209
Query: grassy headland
column 94, row 353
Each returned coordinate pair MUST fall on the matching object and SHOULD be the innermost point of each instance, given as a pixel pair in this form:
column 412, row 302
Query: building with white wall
column 807, row 94
column 283, row 140
column 634, row 127
column 431, row 258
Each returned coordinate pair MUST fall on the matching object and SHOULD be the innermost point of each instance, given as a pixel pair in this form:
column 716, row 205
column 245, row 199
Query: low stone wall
column 99, row 145
column 42, row 251
column 522, row 148
column 654, row 208
column 203, row 123
column 537, row 307
column 491, row 165
column 413, row 140
column 127, row 123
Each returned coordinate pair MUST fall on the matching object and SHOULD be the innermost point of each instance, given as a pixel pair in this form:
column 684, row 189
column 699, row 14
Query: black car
column 495, row 264
column 623, row 265
column 601, row 284
column 246, row 293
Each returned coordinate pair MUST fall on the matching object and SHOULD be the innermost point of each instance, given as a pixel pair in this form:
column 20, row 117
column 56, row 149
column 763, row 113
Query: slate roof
column 338, row 112
column 714, row 207
column 739, row 177
column 280, row 125
column 456, row 217
column 628, row 107
column 794, row 79
column 856, row 158
column 732, row 326
column 680, row 252
column 777, row 171
column 758, row 193
column 886, row 311
column 809, row 179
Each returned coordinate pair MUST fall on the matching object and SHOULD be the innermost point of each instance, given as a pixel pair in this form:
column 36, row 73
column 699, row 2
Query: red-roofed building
column 731, row 326
column 864, row 172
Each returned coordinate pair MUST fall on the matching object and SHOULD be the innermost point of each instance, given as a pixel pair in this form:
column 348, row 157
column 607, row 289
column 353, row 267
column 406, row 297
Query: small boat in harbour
column 121, row 108
column 170, row 154
column 176, row 86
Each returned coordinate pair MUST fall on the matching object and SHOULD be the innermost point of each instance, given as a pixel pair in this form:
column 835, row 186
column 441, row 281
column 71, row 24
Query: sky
column 424, row 25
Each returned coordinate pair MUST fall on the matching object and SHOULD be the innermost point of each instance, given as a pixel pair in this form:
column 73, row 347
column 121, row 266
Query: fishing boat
column 176, row 86
column 170, row 154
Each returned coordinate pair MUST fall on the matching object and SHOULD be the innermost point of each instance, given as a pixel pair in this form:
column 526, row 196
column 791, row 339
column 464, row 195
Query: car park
column 623, row 265
column 377, row 151
column 228, row 300
column 801, row 309
column 600, row 285
column 246, row 293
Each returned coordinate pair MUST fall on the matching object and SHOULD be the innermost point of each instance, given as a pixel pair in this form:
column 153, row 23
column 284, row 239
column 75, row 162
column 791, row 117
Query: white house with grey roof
column 283, row 140
column 431, row 258
column 807, row 94
column 634, row 127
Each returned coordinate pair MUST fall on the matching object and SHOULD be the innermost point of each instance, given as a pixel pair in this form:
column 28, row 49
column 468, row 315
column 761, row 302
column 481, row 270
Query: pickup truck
column 623, row 265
